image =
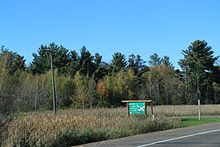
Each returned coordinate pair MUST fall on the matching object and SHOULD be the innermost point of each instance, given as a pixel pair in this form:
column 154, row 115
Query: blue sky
column 141, row 27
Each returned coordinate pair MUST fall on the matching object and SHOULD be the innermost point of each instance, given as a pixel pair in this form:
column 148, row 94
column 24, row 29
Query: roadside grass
column 79, row 126
column 187, row 122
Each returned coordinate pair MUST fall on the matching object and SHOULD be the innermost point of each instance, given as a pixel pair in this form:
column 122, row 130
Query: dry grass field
column 186, row 110
column 77, row 126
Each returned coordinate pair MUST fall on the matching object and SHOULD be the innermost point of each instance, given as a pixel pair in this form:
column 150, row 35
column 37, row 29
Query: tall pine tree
column 198, row 67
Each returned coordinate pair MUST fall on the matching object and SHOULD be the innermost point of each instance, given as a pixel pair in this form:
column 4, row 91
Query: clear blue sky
column 141, row 27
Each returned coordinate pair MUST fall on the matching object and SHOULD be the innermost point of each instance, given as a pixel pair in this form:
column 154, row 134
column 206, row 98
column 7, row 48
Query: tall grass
column 72, row 127
column 78, row 126
column 186, row 110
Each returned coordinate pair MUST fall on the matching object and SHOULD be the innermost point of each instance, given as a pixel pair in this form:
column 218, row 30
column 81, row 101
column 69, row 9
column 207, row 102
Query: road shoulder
column 137, row 140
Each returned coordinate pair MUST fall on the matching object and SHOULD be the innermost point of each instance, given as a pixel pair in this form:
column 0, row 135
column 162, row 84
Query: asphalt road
column 205, row 136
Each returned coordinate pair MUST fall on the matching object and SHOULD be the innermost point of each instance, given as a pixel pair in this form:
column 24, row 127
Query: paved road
column 205, row 136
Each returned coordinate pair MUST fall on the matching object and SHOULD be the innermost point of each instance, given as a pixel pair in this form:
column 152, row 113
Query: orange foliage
column 101, row 88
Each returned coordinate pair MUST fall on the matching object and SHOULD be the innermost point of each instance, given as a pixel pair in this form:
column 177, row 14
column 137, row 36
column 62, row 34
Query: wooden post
column 145, row 108
column 199, row 109
column 152, row 111
column 53, row 84
column 128, row 111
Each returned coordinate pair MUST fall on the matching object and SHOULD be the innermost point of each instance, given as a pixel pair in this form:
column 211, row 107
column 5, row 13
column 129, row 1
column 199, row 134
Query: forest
column 83, row 80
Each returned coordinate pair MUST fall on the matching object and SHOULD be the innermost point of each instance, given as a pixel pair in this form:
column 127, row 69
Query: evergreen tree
column 87, row 66
column 118, row 62
column 198, row 64
column 100, row 70
column 166, row 61
column 98, row 59
column 136, row 64
column 155, row 60
column 74, row 64
column 41, row 61
column 12, row 61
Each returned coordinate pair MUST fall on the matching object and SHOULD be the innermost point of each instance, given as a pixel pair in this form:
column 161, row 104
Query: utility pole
column 198, row 94
column 53, row 84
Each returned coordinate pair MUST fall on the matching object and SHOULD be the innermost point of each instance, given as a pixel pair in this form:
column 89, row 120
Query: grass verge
column 78, row 126
column 187, row 122
column 74, row 127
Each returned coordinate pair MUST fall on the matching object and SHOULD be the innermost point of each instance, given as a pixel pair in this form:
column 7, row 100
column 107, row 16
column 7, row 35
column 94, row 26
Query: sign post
column 199, row 109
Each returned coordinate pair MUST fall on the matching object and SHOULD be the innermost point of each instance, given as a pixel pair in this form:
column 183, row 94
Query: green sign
column 136, row 107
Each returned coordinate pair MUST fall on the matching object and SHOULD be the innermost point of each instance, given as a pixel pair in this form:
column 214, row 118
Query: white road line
column 181, row 137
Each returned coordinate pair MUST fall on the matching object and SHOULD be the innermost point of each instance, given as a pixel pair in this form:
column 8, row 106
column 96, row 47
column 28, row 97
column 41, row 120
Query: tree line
column 84, row 80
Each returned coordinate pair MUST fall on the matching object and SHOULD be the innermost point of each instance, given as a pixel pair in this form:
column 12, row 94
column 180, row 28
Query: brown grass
column 186, row 110
column 76, row 126
column 37, row 129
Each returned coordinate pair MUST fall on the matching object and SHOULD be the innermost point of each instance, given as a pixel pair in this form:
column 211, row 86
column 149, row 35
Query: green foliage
column 118, row 62
column 83, row 80
column 136, row 64
column 198, row 66
column 86, row 62
column 41, row 62
column 65, row 90
column 155, row 60
column 74, row 65
column 216, row 87
column 163, row 85
column 11, row 61
column 7, row 86
column 216, row 74
column 166, row 62
column 10, row 69
column 85, row 95
column 101, row 70
column 115, row 88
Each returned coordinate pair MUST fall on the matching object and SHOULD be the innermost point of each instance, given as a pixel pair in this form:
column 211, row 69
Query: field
column 77, row 126
column 186, row 110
